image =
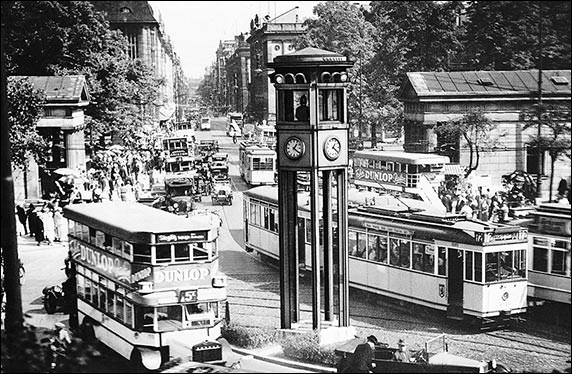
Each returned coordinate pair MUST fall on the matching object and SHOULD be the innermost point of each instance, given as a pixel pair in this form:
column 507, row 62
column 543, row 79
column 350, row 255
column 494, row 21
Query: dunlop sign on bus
column 362, row 172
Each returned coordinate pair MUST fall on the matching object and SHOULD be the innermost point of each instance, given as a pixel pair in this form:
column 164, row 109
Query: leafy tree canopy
column 24, row 110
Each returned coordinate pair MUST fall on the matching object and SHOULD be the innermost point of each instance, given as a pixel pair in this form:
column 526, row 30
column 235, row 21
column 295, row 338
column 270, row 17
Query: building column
column 75, row 149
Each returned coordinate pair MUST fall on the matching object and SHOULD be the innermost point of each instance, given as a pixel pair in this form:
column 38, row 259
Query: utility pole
column 539, row 108
column 360, row 125
column 8, row 240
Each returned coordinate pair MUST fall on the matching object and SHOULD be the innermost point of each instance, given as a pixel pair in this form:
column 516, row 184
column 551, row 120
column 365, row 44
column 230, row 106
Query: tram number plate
column 188, row 296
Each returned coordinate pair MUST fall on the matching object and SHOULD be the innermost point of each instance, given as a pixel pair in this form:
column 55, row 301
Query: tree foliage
column 474, row 127
column 71, row 37
column 24, row 110
column 504, row 35
column 555, row 137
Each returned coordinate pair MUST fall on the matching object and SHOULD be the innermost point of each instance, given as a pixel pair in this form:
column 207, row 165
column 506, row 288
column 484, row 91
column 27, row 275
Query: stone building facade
column 62, row 125
column 238, row 75
column 271, row 38
column 147, row 42
column 503, row 96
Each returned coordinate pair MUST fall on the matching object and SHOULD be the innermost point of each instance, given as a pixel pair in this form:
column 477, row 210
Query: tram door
column 455, row 286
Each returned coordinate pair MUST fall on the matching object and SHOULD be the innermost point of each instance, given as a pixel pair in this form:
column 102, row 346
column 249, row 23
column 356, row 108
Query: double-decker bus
column 469, row 269
column 257, row 163
column 413, row 175
column 148, row 282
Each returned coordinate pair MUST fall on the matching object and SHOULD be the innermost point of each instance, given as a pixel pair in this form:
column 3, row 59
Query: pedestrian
column 47, row 218
column 60, row 225
column 402, row 354
column 31, row 222
column 362, row 359
column 38, row 225
column 21, row 213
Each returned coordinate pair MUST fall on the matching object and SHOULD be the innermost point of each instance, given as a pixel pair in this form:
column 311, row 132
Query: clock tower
column 312, row 136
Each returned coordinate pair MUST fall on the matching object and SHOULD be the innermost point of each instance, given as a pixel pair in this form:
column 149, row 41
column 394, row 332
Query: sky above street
column 196, row 27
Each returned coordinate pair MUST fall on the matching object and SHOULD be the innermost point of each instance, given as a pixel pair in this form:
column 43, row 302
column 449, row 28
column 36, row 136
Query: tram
column 467, row 268
column 549, row 260
column 148, row 282
column 257, row 163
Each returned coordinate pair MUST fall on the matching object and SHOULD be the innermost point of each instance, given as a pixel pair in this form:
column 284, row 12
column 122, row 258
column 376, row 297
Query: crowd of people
column 481, row 204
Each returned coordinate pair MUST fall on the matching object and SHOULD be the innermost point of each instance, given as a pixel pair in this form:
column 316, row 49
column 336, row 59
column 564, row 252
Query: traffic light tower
column 312, row 136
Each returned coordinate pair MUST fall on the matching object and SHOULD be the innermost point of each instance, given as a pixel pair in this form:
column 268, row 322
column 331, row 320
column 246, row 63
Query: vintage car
column 148, row 196
column 426, row 360
column 221, row 194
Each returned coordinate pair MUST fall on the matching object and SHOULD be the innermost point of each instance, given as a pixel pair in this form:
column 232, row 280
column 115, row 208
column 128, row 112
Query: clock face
column 332, row 148
column 294, row 148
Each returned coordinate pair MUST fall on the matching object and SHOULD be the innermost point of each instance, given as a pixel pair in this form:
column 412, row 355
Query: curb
column 284, row 362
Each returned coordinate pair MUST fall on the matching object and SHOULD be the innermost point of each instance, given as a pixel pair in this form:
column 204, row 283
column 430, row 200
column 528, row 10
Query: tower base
column 330, row 332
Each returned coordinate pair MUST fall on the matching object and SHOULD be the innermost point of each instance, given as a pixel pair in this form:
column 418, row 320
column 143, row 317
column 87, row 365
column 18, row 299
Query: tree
column 503, row 35
column 25, row 105
column 341, row 27
column 556, row 141
column 475, row 128
column 71, row 37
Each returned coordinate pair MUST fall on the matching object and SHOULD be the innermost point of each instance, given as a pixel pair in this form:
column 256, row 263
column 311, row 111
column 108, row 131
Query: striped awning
column 453, row 169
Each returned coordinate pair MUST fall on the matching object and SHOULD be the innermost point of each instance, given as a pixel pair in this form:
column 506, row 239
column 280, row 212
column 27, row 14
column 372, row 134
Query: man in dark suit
column 362, row 359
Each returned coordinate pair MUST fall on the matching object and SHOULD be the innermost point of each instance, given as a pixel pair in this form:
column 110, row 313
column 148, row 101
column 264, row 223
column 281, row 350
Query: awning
column 452, row 169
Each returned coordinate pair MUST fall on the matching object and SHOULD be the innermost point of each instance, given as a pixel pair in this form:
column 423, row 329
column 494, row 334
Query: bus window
column 142, row 253
column 111, row 300
column 127, row 251
column 169, row 318
column 119, row 304
column 128, row 313
column 117, row 246
column 80, row 283
column 182, row 252
column 144, row 318
column 103, row 295
column 197, row 315
column 95, row 291
column 200, row 253
column 163, row 253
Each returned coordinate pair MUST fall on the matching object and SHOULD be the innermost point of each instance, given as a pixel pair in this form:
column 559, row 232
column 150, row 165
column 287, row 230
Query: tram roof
column 132, row 219
column 406, row 157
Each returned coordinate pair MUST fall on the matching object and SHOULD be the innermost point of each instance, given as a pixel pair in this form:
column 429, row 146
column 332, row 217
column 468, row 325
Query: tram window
column 163, row 253
column 442, row 261
column 252, row 213
column 309, row 231
column 362, row 245
column 272, row 220
column 352, row 242
column 266, row 218
column 373, row 247
column 519, row 263
column 394, row 251
column 468, row 265
column 558, row 262
column 383, row 248
column 491, row 267
column 423, row 257
column 142, row 253
column 478, row 267
column 561, row 244
column 405, row 249
column 540, row 259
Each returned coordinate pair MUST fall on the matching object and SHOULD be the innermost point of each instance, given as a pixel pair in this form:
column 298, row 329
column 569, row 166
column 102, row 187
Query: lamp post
column 539, row 108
